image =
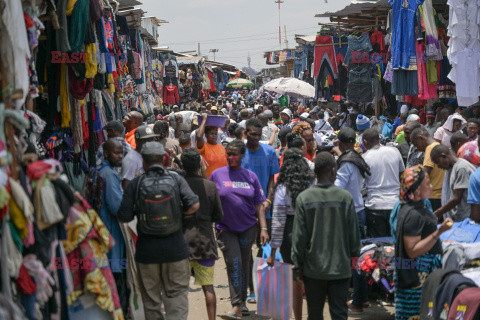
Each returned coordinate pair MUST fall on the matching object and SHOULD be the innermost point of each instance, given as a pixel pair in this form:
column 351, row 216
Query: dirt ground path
column 197, row 309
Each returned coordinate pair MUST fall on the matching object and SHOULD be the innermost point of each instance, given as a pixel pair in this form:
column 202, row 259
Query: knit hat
column 363, row 123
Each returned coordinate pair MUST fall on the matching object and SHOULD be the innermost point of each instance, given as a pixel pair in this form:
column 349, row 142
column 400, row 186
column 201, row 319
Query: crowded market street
column 203, row 160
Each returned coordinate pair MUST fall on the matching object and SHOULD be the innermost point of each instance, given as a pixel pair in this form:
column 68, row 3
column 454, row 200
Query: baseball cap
column 347, row 135
column 305, row 115
column 152, row 148
column 214, row 108
column 430, row 114
column 114, row 125
column 144, row 132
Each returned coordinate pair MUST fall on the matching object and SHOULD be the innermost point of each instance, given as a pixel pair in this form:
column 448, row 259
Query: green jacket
column 325, row 234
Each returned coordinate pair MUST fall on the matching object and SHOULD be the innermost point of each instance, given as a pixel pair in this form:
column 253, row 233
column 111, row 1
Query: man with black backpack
column 157, row 199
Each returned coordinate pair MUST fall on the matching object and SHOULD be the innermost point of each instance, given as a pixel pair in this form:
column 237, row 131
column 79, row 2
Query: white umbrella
column 291, row 87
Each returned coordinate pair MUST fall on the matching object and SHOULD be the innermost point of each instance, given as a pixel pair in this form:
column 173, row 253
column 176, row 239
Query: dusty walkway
column 197, row 309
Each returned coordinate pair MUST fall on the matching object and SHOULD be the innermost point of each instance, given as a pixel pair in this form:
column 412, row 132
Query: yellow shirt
column 215, row 155
column 437, row 174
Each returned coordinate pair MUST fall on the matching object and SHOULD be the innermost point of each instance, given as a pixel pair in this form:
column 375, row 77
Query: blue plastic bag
column 387, row 130
column 267, row 250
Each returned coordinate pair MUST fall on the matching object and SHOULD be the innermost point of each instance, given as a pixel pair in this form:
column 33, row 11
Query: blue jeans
column 361, row 223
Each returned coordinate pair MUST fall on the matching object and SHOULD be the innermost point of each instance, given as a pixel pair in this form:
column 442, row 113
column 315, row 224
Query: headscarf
column 410, row 180
column 448, row 125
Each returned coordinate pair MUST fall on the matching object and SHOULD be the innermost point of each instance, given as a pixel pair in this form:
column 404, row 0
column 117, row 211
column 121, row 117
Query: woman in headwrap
column 418, row 248
column 454, row 123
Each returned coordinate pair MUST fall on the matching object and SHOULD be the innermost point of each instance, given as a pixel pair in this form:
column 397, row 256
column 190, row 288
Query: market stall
column 67, row 68
column 373, row 51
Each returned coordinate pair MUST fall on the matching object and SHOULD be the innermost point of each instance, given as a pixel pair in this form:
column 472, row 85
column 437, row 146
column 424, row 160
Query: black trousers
column 317, row 291
column 378, row 223
column 122, row 289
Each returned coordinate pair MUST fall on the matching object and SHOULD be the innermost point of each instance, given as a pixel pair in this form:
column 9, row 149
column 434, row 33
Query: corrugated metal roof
column 355, row 7
column 128, row 3
column 306, row 39
column 189, row 60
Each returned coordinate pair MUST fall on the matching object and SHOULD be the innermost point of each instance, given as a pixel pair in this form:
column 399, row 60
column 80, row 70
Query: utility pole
column 285, row 35
column 214, row 51
column 249, row 60
column 199, row 53
column 279, row 24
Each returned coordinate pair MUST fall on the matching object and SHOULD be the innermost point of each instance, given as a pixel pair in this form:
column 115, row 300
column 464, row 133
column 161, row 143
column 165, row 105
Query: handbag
column 273, row 289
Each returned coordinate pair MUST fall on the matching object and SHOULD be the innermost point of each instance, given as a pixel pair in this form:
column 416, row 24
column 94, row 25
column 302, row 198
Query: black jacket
column 198, row 228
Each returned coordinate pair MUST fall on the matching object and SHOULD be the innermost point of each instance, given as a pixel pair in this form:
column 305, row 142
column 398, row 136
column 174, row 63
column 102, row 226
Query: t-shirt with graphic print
column 239, row 191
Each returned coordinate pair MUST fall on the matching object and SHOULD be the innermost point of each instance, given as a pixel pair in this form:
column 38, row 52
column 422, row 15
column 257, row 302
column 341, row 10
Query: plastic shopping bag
column 273, row 288
column 267, row 250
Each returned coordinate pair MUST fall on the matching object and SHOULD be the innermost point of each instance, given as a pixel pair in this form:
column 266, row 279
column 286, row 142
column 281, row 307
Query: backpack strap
column 135, row 206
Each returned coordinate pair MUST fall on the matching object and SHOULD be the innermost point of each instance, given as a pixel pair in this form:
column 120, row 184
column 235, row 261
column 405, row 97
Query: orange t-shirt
column 215, row 155
column 130, row 138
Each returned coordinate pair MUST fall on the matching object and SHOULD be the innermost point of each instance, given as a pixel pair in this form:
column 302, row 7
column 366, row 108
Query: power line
column 237, row 37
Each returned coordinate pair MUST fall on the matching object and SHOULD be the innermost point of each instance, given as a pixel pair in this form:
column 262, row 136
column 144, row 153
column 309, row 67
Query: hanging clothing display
column 464, row 50
column 432, row 49
column 324, row 53
column 170, row 94
column 359, row 87
column 403, row 33
column 340, row 52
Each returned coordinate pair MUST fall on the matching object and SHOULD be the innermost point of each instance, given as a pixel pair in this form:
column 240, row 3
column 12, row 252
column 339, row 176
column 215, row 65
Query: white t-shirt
column 322, row 125
column 383, row 185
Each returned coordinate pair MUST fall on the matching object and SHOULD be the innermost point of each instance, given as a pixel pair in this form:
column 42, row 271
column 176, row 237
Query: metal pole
column 279, row 24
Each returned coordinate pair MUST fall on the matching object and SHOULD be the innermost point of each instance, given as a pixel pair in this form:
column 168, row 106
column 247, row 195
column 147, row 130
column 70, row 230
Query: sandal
column 245, row 311
column 231, row 315
column 251, row 298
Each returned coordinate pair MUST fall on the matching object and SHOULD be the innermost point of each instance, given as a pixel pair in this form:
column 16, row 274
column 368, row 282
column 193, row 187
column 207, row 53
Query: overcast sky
column 235, row 27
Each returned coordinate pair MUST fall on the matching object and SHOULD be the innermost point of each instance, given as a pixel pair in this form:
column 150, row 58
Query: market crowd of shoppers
column 283, row 176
